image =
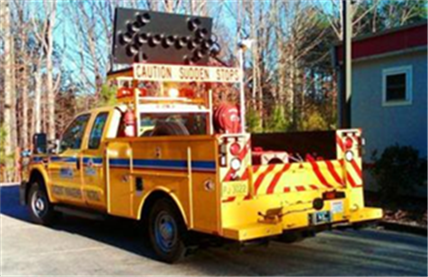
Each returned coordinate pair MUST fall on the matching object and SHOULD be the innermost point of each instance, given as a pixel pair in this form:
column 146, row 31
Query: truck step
column 88, row 214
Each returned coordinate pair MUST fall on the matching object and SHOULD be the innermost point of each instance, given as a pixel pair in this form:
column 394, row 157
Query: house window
column 397, row 86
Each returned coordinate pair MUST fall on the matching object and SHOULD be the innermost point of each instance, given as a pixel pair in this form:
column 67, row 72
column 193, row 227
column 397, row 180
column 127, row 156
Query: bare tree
column 9, row 89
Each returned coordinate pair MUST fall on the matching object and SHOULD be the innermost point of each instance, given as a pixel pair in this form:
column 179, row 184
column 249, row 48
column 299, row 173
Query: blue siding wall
column 386, row 125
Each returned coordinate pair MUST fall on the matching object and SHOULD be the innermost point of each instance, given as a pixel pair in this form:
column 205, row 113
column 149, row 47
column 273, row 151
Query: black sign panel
column 155, row 37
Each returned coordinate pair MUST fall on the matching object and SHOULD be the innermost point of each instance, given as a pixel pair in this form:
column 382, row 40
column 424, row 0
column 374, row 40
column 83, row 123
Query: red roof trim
column 401, row 39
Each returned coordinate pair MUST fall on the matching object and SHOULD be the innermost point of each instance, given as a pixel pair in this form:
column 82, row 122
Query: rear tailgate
column 323, row 168
column 282, row 196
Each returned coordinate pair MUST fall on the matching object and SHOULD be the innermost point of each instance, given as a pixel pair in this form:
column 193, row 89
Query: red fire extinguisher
column 129, row 123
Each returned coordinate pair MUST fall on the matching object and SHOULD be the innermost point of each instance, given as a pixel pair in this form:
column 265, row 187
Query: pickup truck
column 179, row 174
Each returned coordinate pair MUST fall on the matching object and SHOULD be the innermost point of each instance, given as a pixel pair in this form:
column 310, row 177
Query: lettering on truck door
column 93, row 169
column 65, row 168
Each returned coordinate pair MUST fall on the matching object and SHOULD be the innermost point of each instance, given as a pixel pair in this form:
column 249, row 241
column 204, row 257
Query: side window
column 97, row 130
column 397, row 86
column 72, row 137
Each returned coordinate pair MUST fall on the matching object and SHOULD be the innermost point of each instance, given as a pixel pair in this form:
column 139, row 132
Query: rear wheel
column 41, row 210
column 167, row 231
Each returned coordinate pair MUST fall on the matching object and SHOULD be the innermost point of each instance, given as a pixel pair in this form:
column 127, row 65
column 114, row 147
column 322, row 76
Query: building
column 389, row 88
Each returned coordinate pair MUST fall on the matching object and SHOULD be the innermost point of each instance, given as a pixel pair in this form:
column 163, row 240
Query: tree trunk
column 49, row 74
column 37, row 109
column 9, row 92
column 24, row 135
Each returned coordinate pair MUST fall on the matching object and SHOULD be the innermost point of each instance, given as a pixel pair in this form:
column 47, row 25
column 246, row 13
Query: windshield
column 173, row 124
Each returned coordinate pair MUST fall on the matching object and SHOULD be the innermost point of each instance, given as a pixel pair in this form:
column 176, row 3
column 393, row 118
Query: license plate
column 320, row 217
column 234, row 188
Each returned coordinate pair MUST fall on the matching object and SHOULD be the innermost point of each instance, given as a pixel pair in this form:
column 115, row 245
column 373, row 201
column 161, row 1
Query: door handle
column 78, row 163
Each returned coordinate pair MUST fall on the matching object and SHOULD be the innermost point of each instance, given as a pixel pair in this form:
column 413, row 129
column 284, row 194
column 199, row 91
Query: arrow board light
column 155, row 37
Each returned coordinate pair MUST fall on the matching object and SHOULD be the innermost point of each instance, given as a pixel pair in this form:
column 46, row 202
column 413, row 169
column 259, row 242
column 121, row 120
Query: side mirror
column 40, row 143
column 26, row 153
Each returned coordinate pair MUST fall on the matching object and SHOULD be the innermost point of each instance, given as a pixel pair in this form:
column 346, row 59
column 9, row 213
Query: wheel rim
column 165, row 231
column 39, row 204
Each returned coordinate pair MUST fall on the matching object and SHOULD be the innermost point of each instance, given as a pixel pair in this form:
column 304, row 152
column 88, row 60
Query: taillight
column 349, row 142
column 235, row 148
column 329, row 195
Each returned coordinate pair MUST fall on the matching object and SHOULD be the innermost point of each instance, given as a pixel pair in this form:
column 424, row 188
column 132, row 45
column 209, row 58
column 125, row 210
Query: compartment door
column 119, row 182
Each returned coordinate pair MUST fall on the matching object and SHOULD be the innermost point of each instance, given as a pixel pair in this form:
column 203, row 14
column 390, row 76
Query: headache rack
column 132, row 94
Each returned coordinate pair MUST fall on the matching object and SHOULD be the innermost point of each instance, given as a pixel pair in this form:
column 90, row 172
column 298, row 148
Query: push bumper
column 366, row 214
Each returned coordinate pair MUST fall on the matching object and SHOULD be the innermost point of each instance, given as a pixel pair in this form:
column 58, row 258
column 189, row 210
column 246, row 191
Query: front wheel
column 167, row 231
column 41, row 210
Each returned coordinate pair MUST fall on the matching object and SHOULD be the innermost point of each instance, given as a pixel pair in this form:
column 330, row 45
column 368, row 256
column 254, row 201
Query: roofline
column 385, row 32
column 392, row 30
column 389, row 54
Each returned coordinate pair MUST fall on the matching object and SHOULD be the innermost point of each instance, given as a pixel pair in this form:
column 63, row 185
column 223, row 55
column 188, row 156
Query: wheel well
column 150, row 201
column 35, row 175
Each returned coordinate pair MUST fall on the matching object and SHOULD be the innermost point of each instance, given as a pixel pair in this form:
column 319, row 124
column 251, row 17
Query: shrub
column 314, row 121
column 2, row 145
column 108, row 95
column 254, row 122
column 277, row 121
column 398, row 171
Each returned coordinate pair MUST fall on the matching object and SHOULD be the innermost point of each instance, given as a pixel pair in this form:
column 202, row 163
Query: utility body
column 169, row 157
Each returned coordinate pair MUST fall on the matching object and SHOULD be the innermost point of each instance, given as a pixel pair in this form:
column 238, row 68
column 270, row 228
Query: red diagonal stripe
column 227, row 176
column 276, row 178
column 318, row 173
column 244, row 151
column 245, row 176
column 313, row 187
column 229, row 199
column 262, row 176
column 255, row 168
column 356, row 168
column 333, row 172
column 351, row 181
column 339, row 142
column 300, row 188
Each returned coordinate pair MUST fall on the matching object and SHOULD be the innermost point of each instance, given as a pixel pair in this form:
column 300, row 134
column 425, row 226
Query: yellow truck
column 182, row 163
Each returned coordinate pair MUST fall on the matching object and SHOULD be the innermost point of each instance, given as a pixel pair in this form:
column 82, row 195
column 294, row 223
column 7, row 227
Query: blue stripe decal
column 95, row 160
column 164, row 164
column 142, row 163
column 63, row 159
column 37, row 159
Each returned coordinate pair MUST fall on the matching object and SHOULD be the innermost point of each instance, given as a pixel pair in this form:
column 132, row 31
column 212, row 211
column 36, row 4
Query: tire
column 40, row 208
column 167, row 231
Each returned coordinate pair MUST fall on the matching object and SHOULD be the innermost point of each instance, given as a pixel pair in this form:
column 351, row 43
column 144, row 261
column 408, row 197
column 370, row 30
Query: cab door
column 65, row 168
column 94, row 191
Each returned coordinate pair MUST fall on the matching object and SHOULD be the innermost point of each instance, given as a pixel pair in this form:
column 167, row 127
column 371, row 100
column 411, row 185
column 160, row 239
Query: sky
column 66, row 40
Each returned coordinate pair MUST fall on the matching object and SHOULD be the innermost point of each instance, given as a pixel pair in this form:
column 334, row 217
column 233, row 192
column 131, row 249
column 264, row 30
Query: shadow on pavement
column 121, row 233
column 351, row 253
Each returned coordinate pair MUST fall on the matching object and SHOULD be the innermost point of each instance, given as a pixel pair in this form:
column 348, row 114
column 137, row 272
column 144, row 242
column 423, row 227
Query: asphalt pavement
column 83, row 247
